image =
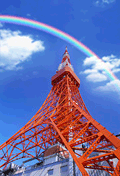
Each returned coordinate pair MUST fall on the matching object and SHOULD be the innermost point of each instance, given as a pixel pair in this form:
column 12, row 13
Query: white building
column 56, row 162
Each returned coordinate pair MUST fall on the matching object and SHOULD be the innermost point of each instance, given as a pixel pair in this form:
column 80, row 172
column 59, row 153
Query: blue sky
column 29, row 58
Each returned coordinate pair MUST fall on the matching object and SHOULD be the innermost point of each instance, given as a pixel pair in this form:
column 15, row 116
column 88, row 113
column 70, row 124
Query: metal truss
column 64, row 118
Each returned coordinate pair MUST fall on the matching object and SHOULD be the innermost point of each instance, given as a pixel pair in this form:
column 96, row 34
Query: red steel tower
column 64, row 118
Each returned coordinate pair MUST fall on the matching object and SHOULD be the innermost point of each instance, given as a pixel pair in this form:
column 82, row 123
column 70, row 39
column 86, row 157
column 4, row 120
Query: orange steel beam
column 95, row 150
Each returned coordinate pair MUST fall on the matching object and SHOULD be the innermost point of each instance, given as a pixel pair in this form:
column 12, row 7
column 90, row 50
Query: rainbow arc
column 58, row 33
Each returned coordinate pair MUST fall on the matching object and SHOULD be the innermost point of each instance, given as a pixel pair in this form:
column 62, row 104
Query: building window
column 64, row 168
column 50, row 172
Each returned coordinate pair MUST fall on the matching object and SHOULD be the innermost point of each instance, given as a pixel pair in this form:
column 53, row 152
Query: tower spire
column 65, row 68
column 65, row 60
column 66, row 56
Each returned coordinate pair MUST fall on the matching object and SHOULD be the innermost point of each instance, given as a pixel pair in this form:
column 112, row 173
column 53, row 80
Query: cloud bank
column 16, row 48
column 95, row 71
column 110, row 86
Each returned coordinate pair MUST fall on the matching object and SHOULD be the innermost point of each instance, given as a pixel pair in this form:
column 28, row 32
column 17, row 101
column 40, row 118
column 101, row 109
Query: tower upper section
column 65, row 68
column 65, row 60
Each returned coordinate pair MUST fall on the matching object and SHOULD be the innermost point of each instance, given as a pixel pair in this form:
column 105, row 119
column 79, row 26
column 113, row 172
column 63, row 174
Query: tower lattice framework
column 64, row 118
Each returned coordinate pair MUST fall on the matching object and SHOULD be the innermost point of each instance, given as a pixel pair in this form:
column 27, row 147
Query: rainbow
column 56, row 32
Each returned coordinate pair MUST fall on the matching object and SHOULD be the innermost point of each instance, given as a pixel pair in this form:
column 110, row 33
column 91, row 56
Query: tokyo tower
column 63, row 118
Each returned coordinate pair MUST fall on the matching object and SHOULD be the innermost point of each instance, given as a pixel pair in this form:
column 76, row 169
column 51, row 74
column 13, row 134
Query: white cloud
column 116, row 70
column 90, row 61
column 97, row 65
column 107, row 58
column 96, row 77
column 101, row 3
column 1, row 25
column 89, row 71
column 110, row 86
column 96, row 71
column 16, row 48
column 106, row 62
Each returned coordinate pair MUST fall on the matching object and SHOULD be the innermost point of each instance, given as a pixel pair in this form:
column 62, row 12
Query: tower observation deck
column 65, row 68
